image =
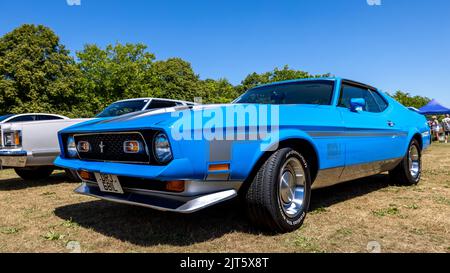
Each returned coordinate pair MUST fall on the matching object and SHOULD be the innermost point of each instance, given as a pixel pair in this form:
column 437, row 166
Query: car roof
column 11, row 116
column 149, row 98
column 316, row 79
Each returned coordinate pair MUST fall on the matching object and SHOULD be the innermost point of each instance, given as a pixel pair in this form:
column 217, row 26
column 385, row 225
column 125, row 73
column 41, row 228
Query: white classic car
column 29, row 142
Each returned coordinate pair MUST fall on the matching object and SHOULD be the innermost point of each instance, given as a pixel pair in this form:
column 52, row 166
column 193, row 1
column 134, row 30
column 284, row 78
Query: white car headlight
column 161, row 148
column 71, row 147
column 12, row 139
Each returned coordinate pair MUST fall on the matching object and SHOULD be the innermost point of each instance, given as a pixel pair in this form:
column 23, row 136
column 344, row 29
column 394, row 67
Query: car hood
column 165, row 118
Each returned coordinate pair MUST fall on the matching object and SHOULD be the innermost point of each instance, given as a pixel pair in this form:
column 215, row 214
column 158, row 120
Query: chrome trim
column 191, row 188
column 414, row 161
column 333, row 176
column 13, row 153
column 162, row 202
column 115, row 133
column 355, row 134
column 291, row 187
column 153, row 147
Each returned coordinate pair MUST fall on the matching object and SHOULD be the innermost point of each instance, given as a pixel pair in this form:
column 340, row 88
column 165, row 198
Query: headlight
column 71, row 147
column 12, row 139
column 161, row 148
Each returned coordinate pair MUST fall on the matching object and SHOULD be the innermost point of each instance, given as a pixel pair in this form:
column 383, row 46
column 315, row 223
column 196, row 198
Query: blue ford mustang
column 271, row 146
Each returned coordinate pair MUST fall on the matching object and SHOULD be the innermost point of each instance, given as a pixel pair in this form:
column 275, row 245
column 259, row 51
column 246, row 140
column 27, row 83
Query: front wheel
column 409, row 171
column 278, row 197
column 34, row 173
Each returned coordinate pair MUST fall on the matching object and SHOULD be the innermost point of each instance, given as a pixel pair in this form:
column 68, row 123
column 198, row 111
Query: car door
column 372, row 138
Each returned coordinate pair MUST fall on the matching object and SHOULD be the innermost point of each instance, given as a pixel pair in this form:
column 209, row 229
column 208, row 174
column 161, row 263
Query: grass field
column 46, row 216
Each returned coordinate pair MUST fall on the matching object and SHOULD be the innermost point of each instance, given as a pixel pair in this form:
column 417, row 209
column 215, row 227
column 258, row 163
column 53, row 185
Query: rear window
column 47, row 117
column 157, row 104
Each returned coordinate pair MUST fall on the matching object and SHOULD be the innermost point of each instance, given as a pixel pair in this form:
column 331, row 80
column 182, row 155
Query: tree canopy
column 38, row 74
column 410, row 101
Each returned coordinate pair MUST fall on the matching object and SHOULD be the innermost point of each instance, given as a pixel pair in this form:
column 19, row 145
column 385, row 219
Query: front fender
column 246, row 154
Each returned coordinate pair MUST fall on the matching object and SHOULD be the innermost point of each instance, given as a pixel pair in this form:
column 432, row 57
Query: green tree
column 218, row 91
column 174, row 78
column 276, row 75
column 116, row 72
column 410, row 101
column 36, row 72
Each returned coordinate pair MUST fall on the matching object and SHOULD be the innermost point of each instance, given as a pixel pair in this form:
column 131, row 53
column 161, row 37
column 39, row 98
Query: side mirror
column 357, row 104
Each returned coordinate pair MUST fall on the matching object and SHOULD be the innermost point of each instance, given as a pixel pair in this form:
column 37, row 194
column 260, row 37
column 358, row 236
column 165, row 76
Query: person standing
column 435, row 127
column 446, row 125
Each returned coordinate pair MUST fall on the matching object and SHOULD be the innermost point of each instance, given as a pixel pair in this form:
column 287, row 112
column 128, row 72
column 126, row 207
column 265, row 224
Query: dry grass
column 44, row 216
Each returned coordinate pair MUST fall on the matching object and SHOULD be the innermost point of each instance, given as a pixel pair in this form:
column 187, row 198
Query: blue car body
column 343, row 145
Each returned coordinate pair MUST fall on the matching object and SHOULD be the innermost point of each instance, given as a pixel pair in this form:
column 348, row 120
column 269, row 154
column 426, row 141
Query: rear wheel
column 409, row 171
column 278, row 197
column 34, row 173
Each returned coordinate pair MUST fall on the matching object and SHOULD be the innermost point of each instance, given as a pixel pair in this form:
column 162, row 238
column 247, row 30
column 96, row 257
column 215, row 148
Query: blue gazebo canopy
column 434, row 108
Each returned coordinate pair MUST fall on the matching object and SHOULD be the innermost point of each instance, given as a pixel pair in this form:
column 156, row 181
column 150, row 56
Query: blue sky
column 400, row 44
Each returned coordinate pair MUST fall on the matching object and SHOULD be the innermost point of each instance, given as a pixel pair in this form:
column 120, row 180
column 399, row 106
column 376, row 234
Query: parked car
column 13, row 118
column 29, row 142
column 328, row 131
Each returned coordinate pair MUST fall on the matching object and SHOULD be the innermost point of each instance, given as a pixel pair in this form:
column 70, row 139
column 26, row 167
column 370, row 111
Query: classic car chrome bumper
column 181, row 203
column 11, row 158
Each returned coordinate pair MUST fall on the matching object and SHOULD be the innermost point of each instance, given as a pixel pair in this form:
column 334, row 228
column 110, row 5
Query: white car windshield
column 122, row 108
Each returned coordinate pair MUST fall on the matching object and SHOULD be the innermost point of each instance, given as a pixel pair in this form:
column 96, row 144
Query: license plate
column 108, row 183
column 14, row 161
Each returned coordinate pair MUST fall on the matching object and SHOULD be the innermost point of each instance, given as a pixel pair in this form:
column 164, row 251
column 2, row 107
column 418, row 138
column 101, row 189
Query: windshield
column 122, row 108
column 304, row 92
column 2, row 118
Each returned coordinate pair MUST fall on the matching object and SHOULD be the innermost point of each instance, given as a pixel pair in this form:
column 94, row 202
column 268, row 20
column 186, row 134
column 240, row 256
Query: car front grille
column 109, row 147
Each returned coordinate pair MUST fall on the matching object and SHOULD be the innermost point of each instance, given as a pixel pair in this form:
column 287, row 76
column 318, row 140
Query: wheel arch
column 419, row 139
column 303, row 146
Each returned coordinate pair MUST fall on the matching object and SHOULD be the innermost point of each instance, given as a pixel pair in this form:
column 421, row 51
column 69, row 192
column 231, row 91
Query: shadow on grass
column 328, row 196
column 146, row 227
column 14, row 184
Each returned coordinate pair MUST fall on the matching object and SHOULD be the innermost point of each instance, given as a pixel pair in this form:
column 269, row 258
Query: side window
column 23, row 118
column 156, row 104
column 352, row 92
column 382, row 104
column 47, row 117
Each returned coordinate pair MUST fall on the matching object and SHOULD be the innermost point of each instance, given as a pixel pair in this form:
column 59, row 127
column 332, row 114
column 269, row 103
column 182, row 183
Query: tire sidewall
column 291, row 223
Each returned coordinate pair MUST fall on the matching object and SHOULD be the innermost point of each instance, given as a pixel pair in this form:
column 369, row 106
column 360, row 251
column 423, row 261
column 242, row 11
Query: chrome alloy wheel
column 414, row 161
column 291, row 191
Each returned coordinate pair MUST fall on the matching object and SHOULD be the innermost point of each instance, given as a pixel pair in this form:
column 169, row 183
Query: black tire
column 402, row 174
column 72, row 175
column 264, row 204
column 34, row 173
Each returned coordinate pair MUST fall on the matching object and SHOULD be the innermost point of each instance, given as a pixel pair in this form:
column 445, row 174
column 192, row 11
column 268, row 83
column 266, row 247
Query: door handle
column 390, row 123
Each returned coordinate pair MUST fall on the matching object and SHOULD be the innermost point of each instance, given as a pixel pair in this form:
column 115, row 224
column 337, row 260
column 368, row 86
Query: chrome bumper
column 158, row 200
column 13, row 158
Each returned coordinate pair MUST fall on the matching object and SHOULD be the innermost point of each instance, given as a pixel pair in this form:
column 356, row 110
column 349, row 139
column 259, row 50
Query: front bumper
column 10, row 158
column 181, row 203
